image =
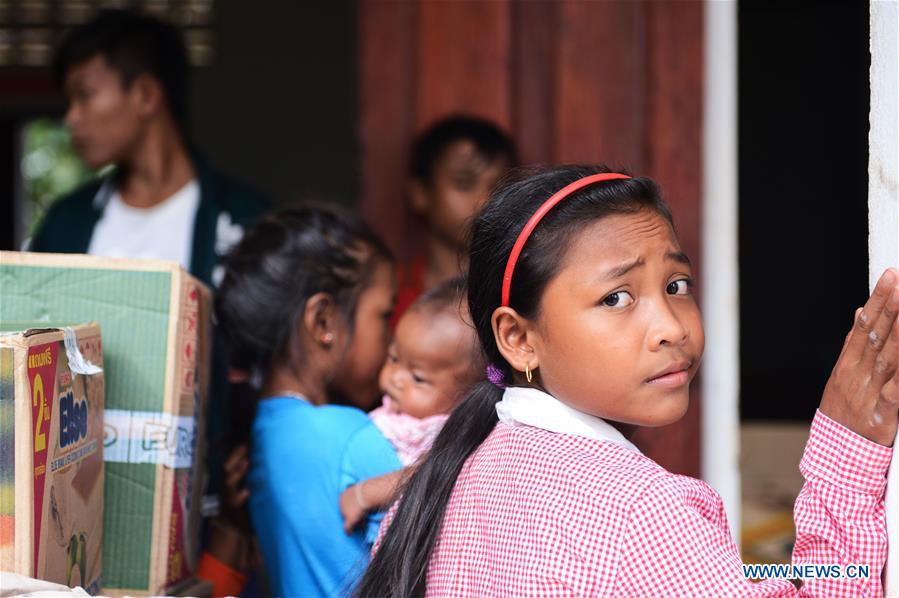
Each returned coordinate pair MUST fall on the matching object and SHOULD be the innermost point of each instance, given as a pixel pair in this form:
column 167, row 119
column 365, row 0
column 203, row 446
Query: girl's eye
column 679, row 287
column 618, row 299
column 392, row 358
column 418, row 379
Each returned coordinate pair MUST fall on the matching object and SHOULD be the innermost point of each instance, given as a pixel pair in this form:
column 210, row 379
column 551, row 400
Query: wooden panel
column 534, row 79
column 464, row 60
column 674, row 111
column 575, row 81
column 599, row 89
column 673, row 158
column 386, row 113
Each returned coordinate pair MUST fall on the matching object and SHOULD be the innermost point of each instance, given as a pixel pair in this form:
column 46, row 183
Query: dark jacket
column 225, row 211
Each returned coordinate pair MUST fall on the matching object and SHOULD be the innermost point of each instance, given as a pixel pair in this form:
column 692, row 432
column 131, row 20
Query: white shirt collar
column 532, row 407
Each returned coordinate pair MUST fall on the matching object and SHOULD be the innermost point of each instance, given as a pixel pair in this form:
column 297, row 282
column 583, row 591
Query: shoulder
column 244, row 203
column 79, row 201
column 290, row 412
column 587, row 465
column 72, row 212
column 351, row 417
column 569, row 482
column 692, row 497
column 678, row 511
column 367, row 452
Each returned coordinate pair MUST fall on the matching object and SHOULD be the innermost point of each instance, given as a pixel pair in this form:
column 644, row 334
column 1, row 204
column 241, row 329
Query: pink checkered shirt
column 536, row 513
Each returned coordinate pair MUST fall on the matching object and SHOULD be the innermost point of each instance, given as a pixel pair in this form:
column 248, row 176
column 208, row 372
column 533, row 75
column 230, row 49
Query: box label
column 149, row 437
column 42, row 379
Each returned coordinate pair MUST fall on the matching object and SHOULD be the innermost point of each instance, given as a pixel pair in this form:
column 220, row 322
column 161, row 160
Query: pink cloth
column 410, row 436
column 536, row 513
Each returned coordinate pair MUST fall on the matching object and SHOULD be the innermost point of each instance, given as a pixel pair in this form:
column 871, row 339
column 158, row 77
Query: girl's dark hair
column 287, row 257
column 400, row 566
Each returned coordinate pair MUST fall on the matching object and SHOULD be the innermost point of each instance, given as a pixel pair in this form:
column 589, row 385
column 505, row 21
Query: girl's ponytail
column 399, row 568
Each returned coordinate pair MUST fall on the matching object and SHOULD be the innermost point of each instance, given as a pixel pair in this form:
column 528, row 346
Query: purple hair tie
column 496, row 376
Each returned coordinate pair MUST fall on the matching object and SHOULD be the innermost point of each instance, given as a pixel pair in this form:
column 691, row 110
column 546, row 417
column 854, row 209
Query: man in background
column 125, row 76
column 455, row 163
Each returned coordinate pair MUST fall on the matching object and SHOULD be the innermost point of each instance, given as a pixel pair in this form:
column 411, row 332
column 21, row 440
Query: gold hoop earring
column 527, row 373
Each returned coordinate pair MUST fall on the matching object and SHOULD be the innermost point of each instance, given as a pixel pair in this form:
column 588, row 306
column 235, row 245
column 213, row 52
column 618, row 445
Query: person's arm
column 368, row 455
column 373, row 494
column 678, row 542
column 230, row 549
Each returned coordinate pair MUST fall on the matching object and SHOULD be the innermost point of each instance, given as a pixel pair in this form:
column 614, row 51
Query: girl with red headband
column 582, row 300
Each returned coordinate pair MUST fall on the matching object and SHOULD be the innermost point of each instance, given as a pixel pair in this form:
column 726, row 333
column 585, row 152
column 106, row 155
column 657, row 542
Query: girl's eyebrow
column 678, row 256
column 622, row 269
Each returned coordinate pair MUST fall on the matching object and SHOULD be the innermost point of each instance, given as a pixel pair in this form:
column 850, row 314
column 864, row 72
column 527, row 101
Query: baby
column 432, row 362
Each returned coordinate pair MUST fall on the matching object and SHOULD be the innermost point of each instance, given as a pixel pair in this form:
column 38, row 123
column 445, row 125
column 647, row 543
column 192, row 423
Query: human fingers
column 876, row 342
column 885, row 363
column 350, row 521
column 235, row 475
column 886, row 411
column 849, row 334
column 236, row 456
column 346, row 511
column 870, row 313
column 354, row 520
column 240, row 497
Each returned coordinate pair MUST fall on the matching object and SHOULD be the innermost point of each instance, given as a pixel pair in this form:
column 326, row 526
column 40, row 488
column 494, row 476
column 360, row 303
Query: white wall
column 720, row 302
column 883, row 214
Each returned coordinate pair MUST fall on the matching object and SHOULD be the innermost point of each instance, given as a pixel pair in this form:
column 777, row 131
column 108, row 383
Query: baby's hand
column 352, row 510
column 863, row 390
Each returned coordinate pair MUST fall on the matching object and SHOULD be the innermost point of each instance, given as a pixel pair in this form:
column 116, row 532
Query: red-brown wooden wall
column 573, row 80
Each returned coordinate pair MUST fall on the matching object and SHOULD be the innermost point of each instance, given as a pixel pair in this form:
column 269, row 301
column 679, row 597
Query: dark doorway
column 803, row 156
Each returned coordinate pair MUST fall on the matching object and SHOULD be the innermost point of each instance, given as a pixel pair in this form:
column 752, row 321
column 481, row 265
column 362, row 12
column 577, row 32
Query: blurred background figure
column 125, row 77
column 454, row 165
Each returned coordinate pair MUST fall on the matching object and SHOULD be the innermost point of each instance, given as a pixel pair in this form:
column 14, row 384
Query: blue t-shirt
column 303, row 457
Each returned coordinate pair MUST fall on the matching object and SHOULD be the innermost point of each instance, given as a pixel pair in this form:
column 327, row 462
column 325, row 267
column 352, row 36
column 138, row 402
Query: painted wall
column 883, row 205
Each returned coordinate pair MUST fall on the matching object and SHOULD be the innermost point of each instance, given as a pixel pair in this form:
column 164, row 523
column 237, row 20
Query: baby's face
column 427, row 362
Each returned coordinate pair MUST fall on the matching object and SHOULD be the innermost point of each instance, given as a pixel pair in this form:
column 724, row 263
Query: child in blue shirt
column 306, row 300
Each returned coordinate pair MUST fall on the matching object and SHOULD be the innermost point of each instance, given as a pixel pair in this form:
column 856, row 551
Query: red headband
column 538, row 216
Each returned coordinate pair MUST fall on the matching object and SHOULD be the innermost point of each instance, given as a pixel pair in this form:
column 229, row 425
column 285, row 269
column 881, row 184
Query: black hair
column 490, row 142
column 286, row 258
column 132, row 44
column 450, row 297
column 399, row 567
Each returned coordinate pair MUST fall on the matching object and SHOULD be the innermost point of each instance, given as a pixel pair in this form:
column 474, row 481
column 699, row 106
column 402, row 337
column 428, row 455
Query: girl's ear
column 321, row 319
column 514, row 338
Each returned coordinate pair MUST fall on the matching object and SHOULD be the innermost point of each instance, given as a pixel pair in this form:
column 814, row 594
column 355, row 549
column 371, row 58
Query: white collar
column 532, row 407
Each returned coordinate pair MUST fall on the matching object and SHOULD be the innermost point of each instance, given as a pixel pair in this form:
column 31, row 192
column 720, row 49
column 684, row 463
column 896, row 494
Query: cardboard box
column 51, row 465
column 156, row 339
